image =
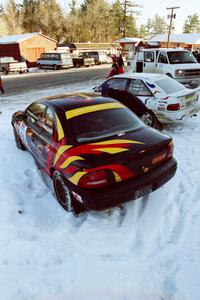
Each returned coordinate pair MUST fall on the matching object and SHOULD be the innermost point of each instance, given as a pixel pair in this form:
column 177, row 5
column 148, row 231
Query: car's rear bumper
column 178, row 116
column 127, row 190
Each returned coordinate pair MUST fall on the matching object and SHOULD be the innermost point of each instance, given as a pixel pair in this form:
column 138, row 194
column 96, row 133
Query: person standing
column 114, row 70
column 120, row 61
column 1, row 86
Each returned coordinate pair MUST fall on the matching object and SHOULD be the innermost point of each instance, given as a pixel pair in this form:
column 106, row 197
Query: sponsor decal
column 151, row 85
column 67, row 155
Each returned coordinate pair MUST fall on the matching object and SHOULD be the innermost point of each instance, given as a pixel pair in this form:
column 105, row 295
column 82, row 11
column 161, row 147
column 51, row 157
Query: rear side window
column 138, row 88
column 115, row 84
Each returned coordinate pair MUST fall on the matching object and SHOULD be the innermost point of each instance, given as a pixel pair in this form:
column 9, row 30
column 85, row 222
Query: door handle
column 144, row 64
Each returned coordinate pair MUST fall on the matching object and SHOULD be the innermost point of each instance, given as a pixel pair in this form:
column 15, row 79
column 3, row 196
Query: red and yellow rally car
column 98, row 153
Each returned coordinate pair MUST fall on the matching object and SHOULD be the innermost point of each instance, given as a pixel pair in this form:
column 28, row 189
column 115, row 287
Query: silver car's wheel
column 148, row 119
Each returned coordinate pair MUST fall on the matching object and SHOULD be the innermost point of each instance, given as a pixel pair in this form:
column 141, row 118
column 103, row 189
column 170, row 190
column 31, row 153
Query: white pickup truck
column 10, row 65
column 177, row 63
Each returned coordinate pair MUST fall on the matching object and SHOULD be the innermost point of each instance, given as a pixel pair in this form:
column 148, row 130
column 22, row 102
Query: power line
column 171, row 16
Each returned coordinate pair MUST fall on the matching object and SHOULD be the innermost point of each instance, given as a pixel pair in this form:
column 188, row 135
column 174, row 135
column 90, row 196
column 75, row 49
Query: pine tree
column 13, row 17
column 192, row 24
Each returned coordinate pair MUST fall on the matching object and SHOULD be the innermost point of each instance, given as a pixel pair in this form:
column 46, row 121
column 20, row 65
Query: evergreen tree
column 192, row 24
column 159, row 25
column 13, row 17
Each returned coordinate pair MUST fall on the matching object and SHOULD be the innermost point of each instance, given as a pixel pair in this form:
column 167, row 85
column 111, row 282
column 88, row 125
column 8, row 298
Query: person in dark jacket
column 115, row 70
column 120, row 61
column 1, row 86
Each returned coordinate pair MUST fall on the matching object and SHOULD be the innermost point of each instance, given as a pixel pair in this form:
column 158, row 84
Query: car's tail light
column 94, row 179
column 166, row 155
column 170, row 150
column 173, row 107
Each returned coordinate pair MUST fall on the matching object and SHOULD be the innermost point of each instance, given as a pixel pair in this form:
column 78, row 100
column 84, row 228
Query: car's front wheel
column 18, row 141
column 64, row 196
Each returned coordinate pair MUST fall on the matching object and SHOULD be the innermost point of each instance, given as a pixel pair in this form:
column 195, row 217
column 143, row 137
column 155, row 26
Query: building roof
column 128, row 40
column 187, row 38
column 15, row 39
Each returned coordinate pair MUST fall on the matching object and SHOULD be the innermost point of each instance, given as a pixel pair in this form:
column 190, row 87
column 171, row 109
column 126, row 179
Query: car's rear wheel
column 18, row 141
column 64, row 196
column 150, row 119
column 55, row 67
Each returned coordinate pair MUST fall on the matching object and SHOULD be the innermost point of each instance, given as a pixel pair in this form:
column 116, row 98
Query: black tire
column 18, row 141
column 39, row 66
column 55, row 67
column 170, row 75
column 150, row 119
column 64, row 196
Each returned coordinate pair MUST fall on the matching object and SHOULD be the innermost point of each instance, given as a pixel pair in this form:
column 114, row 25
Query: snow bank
column 148, row 251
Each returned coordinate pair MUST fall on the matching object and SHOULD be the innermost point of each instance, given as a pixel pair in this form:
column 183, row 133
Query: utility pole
column 171, row 16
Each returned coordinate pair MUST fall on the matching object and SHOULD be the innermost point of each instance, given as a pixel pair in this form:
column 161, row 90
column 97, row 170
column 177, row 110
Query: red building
column 26, row 47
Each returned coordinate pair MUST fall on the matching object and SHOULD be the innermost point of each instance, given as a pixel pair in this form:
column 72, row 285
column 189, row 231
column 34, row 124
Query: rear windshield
column 181, row 57
column 170, row 86
column 103, row 124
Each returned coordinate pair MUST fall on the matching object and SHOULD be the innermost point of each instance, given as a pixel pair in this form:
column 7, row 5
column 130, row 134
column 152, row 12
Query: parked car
column 171, row 101
column 10, row 65
column 82, row 60
column 55, row 60
column 100, row 57
column 98, row 153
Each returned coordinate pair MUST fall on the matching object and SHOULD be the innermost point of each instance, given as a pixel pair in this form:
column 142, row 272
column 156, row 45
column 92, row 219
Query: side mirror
column 97, row 89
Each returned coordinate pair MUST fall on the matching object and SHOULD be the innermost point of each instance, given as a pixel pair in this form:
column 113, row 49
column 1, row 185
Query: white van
column 55, row 60
column 177, row 63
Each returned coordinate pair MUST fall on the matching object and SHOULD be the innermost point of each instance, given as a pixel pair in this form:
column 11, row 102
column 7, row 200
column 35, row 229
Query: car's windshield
column 102, row 124
column 170, row 86
column 181, row 57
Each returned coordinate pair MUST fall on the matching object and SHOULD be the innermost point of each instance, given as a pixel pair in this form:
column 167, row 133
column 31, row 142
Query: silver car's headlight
column 179, row 73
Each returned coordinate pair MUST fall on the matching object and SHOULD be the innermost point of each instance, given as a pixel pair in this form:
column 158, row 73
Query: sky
column 150, row 8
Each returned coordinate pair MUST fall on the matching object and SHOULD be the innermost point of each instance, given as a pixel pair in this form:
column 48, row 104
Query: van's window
column 65, row 55
column 55, row 56
column 149, row 56
column 162, row 58
column 138, row 88
column 181, row 57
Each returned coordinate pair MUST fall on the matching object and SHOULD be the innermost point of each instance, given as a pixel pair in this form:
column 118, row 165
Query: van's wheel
column 39, row 66
column 170, row 75
column 64, row 196
column 18, row 142
column 5, row 71
column 55, row 67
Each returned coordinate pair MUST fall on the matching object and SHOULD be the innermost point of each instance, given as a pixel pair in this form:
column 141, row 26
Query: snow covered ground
column 150, row 252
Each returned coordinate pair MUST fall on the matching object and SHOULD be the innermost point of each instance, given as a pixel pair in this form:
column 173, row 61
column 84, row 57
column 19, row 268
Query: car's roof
column 75, row 100
column 143, row 76
column 164, row 49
